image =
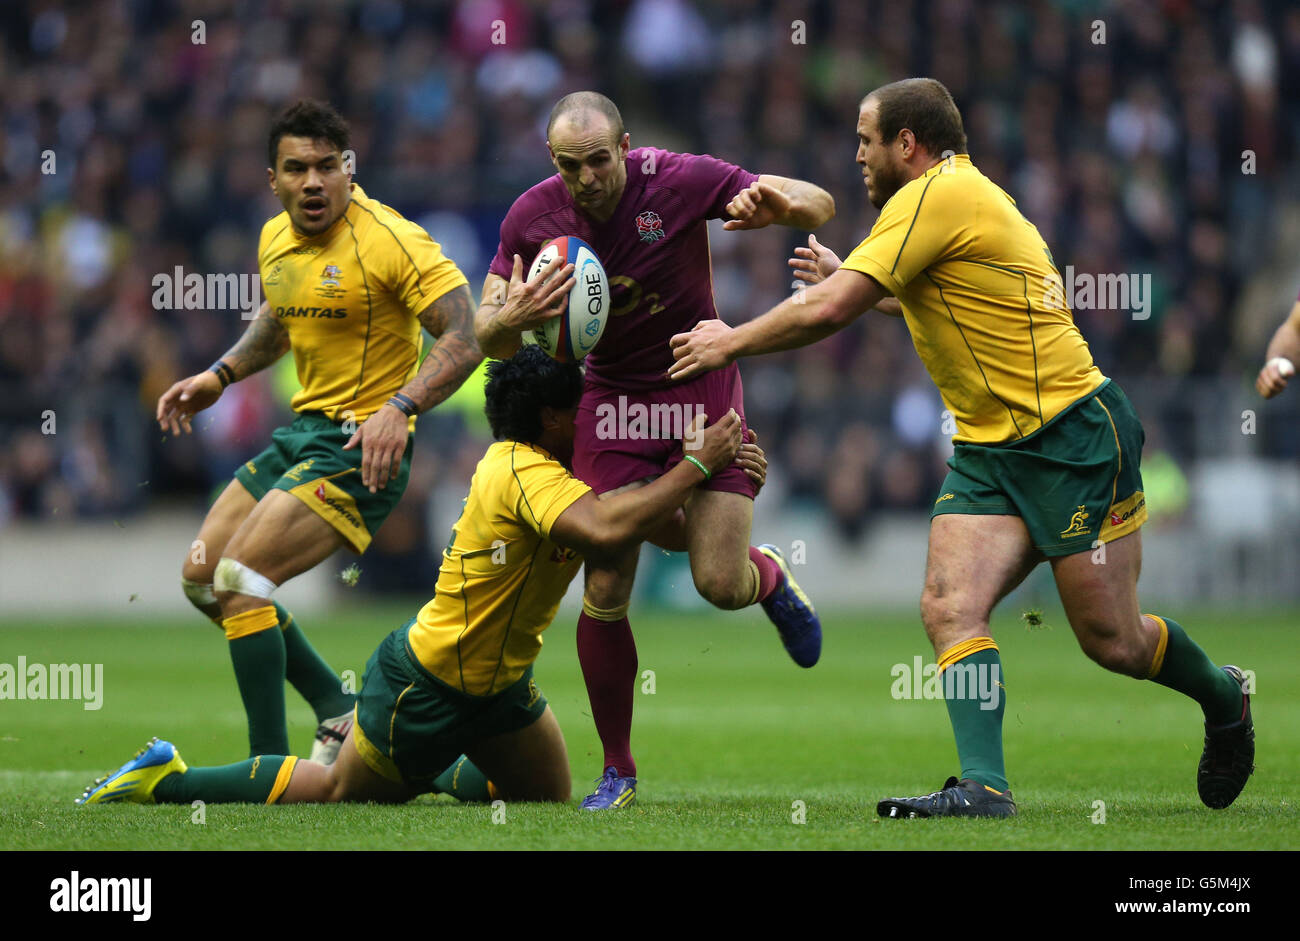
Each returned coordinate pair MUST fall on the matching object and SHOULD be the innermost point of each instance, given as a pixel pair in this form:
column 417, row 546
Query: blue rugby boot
column 793, row 614
column 136, row 779
column 612, row 792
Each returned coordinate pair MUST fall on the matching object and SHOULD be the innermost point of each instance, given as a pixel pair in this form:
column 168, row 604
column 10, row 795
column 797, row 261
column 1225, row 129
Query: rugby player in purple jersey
column 644, row 212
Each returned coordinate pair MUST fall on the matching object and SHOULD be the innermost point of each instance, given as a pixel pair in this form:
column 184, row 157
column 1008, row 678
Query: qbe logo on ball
column 575, row 333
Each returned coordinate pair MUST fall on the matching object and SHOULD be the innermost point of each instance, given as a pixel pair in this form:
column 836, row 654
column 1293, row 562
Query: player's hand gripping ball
column 1272, row 379
column 575, row 333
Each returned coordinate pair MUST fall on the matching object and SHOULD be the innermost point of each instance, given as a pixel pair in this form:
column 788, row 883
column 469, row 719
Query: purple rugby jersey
column 655, row 249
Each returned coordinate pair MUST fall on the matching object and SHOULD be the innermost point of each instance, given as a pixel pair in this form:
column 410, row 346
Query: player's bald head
column 586, row 111
column 589, row 147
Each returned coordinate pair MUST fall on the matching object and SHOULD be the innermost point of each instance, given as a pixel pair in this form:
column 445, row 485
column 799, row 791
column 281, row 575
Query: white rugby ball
column 576, row 331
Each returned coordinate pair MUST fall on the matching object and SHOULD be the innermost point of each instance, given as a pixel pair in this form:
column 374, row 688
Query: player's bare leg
column 304, row 668
column 671, row 536
column 973, row 562
column 226, row 515
column 717, row 537
column 348, row 779
column 281, row 538
column 729, row 573
column 531, row 764
column 1099, row 592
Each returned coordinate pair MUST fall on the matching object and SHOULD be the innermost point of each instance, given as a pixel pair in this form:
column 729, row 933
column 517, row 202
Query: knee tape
column 236, row 577
column 199, row 593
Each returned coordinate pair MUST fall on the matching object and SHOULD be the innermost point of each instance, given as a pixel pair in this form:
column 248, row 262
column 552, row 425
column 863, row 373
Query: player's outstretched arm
column 607, row 527
column 454, row 355
column 1283, row 352
column 262, row 344
column 805, row 318
column 780, row 200
column 816, row 263
column 508, row 308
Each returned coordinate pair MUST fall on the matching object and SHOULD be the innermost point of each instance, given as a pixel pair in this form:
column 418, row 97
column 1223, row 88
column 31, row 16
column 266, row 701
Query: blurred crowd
column 1140, row 137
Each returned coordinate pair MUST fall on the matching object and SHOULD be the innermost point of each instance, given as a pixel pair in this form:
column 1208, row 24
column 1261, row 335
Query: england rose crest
column 649, row 226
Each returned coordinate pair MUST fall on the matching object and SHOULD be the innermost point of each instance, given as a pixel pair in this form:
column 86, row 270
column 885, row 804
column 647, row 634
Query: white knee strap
column 238, row 578
column 199, row 593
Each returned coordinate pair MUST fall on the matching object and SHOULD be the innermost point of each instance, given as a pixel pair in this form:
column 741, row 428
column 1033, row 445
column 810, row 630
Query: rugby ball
column 575, row 333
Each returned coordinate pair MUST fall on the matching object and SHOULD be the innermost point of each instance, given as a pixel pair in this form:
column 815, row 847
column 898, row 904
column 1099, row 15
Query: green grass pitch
column 731, row 738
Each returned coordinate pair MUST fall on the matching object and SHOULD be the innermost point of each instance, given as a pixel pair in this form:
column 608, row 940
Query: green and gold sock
column 971, row 673
column 464, row 781
column 257, row 654
column 259, row 780
column 309, row 674
column 1183, row 666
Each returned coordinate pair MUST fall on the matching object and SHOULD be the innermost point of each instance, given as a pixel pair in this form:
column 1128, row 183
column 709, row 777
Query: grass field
column 732, row 736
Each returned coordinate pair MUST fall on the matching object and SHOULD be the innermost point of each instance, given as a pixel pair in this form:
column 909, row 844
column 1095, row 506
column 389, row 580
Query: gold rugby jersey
column 501, row 578
column 350, row 298
column 983, row 301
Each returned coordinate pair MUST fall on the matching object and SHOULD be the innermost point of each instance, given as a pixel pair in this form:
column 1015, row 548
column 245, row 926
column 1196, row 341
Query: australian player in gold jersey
column 1047, row 450
column 350, row 285
column 448, row 701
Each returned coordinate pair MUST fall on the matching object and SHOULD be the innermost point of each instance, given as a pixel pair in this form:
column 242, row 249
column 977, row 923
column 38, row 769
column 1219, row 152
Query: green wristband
column 700, row 464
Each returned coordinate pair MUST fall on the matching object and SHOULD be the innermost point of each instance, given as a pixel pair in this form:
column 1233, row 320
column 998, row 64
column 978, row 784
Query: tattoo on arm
column 455, row 354
column 262, row 344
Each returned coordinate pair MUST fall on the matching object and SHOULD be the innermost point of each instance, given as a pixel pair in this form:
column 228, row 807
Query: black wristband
column 223, row 371
column 404, row 404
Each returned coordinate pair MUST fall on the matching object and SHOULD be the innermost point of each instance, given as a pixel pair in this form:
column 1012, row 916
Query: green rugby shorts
column 410, row 726
column 1076, row 482
column 307, row 459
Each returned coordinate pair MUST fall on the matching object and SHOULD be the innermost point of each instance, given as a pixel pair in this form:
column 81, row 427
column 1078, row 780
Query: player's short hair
column 308, row 118
column 924, row 107
column 580, row 101
column 517, row 389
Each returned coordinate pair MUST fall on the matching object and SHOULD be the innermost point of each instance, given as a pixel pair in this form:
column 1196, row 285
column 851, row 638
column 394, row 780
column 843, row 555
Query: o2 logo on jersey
column 649, row 226
column 625, row 295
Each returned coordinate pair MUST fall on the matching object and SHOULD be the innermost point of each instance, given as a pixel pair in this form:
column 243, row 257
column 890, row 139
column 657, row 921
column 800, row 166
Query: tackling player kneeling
column 448, row 702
